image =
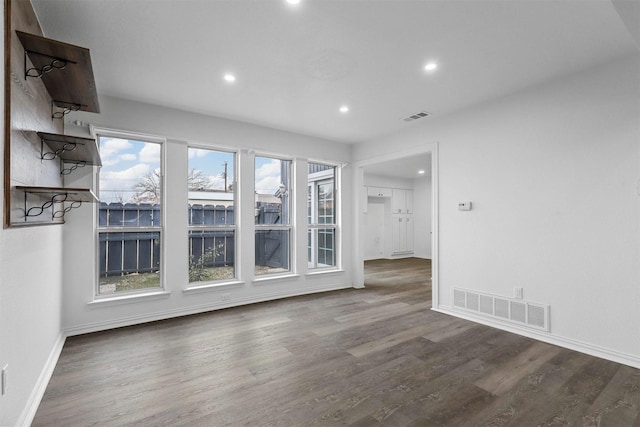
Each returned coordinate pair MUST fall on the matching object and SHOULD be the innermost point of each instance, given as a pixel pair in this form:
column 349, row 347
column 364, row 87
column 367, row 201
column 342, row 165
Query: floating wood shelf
column 65, row 70
column 69, row 149
column 52, row 196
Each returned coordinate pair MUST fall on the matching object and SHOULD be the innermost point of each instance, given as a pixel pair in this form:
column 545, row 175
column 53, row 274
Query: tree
column 198, row 181
column 148, row 188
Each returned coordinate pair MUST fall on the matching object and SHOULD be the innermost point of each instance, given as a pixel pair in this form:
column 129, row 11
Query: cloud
column 123, row 181
column 197, row 152
column 110, row 149
column 110, row 146
column 150, row 153
column 217, row 182
column 127, row 157
column 271, row 169
column 268, row 185
column 268, row 178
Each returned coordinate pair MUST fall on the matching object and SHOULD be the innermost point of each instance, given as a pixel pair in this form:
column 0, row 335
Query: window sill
column 324, row 272
column 266, row 279
column 208, row 287
column 127, row 299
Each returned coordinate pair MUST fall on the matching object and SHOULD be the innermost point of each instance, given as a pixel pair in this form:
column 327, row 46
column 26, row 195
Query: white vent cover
column 472, row 301
column 486, row 304
column 518, row 311
column 501, row 307
column 459, row 298
column 514, row 311
column 416, row 116
column 537, row 316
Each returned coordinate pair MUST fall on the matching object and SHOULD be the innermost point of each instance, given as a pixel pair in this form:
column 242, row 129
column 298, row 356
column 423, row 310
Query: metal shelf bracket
column 55, row 64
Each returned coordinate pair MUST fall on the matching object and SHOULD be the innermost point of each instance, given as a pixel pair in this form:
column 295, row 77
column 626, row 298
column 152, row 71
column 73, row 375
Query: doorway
column 373, row 235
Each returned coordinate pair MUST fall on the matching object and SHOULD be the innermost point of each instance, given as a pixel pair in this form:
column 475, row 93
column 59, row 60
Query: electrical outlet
column 517, row 292
column 226, row 297
column 3, row 379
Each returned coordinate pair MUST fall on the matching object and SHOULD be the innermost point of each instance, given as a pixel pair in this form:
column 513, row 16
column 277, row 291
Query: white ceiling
column 296, row 65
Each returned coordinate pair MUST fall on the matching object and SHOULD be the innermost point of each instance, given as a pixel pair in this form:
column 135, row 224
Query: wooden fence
column 139, row 252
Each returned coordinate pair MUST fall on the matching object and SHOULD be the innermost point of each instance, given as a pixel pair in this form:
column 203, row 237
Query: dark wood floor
column 376, row 356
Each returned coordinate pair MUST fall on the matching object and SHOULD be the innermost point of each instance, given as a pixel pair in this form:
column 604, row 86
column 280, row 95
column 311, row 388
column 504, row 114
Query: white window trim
column 211, row 284
column 291, row 226
column 319, row 177
column 128, row 298
column 218, row 285
column 149, row 293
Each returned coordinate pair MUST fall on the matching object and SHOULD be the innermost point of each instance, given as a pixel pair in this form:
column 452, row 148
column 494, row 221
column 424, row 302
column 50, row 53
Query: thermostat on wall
column 464, row 206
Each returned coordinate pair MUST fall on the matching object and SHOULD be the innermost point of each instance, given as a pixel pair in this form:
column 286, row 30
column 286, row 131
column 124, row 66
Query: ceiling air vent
column 416, row 116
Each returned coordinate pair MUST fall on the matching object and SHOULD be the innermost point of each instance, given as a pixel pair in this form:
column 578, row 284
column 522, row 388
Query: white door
column 409, row 233
column 397, row 231
column 374, row 231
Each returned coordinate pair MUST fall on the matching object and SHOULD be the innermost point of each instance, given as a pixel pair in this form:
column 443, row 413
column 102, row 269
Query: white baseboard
column 582, row 347
column 168, row 314
column 30, row 409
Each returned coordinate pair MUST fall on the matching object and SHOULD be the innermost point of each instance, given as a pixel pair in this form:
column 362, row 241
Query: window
column 130, row 215
column 321, row 216
column 211, row 215
column 272, row 215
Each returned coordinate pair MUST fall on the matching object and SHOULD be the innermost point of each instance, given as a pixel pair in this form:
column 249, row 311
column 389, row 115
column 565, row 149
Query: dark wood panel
column 328, row 359
column 71, row 148
column 72, row 83
column 6, row 146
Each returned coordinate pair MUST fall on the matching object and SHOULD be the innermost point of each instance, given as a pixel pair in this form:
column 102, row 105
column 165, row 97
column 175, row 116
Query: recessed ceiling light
column 229, row 78
column 293, row 1
column 344, row 109
column 431, row 66
column 422, row 171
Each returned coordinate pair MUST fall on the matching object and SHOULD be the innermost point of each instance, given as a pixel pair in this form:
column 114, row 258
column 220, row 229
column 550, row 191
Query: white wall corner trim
column 550, row 338
column 31, row 407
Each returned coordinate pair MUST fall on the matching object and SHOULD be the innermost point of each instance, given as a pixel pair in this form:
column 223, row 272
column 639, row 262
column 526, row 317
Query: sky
column 212, row 164
column 126, row 161
column 268, row 176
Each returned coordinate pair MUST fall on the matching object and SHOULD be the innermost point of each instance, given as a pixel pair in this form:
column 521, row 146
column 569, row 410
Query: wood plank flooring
column 377, row 356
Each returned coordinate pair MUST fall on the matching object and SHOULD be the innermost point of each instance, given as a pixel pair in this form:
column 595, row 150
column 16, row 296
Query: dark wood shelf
column 70, row 148
column 56, row 201
column 65, row 70
column 72, row 194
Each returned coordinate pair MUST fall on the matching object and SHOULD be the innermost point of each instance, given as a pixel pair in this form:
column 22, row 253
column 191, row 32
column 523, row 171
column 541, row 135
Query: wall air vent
column 416, row 116
column 514, row 311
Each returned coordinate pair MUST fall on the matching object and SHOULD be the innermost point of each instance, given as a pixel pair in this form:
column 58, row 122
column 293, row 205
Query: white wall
column 179, row 128
column 552, row 173
column 30, row 309
column 422, row 217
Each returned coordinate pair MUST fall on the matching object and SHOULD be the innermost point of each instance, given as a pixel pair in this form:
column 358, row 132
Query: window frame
column 161, row 288
column 220, row 227
column 290, row 226
column 313, row 227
